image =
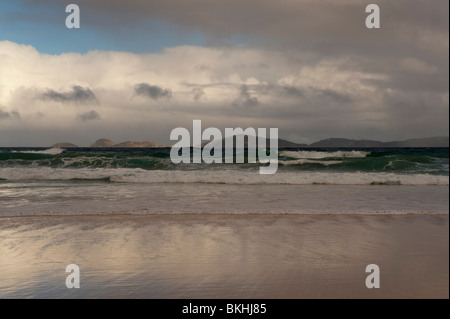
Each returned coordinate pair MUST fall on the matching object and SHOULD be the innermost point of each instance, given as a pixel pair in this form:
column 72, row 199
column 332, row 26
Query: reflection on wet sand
column 225, row 256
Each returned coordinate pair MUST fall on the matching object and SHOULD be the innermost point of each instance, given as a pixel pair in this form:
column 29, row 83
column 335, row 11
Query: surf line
column 212, row 151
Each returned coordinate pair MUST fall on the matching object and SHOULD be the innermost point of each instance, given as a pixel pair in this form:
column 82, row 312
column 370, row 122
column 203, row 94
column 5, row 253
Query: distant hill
column 418, row 142
column 343, row 142
column 286, row 144
column 351, row 143
column 440, row 141
column 138, row 144
column 128, row 144
column 281, row 144
column 103, row 142
column 422, row 142
column 63, row 145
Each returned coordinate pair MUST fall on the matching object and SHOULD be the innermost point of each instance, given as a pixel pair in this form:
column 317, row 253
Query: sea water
column 145, row 181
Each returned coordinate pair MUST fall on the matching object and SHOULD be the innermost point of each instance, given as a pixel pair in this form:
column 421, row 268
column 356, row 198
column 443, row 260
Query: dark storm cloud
column 292, row 91
column 409, row 28
column 202, row 67
column 245, row 98
column 296, row 93
column 332, row 96
column 298, row 22
column 198, row 93
column 152, row 91
column 6, row 115
column 88, row 116
column 280, row 91
column 78, row 95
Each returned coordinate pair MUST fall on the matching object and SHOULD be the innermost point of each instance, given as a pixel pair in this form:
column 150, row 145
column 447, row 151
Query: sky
column 136, row 69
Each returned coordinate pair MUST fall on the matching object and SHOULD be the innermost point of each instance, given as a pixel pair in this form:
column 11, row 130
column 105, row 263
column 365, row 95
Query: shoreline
column 146, row 214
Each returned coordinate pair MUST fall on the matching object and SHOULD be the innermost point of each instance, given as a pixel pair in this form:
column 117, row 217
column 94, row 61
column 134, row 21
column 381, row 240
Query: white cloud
column 301, row 95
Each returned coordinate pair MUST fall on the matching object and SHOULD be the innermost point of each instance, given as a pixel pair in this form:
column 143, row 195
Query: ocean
column 138, row 226
column 145, row 181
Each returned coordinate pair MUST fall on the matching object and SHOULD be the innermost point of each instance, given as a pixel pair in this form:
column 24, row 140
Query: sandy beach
column 225, row 256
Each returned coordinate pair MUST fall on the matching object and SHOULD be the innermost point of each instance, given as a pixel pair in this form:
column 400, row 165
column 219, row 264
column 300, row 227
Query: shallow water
column 60, row 197
column 225, row 256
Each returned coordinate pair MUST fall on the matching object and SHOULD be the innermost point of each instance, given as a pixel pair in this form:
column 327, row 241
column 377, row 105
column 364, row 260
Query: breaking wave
column 230, row 176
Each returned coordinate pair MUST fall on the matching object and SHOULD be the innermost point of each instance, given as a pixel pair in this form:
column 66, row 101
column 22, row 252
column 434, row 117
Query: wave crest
column 322, row 155
column 50, row 151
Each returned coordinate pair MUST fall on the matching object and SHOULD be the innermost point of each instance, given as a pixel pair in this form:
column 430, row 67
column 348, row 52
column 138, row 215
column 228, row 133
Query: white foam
column 50, row 151
column 307, row 161
column 321, row 155
column 232, row 176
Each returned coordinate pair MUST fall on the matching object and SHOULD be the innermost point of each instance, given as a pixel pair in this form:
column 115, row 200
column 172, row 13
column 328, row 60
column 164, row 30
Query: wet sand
column 225, row 256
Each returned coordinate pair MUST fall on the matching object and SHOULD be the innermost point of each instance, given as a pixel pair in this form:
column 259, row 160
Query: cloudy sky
column 137, row 69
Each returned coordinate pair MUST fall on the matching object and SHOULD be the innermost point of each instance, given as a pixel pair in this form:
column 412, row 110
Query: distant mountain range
column 440, row 141
column 351, row 143
column 103, row 142
column 416, row 142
